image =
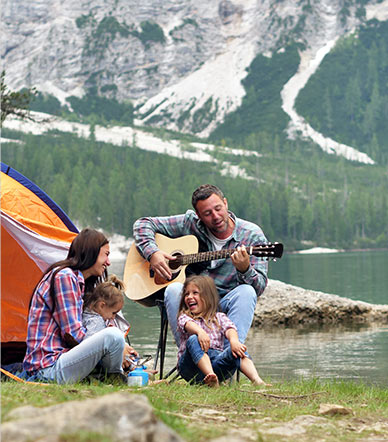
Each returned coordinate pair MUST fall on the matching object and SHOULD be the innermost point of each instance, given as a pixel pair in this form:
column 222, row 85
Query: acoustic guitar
column 144, row 286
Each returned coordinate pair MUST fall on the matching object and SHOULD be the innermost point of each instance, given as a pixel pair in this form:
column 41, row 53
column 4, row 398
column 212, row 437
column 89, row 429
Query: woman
column 56, row 349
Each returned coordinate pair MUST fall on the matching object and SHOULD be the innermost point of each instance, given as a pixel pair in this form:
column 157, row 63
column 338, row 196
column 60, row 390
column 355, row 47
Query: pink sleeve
column 183, row 319
column 225, row 322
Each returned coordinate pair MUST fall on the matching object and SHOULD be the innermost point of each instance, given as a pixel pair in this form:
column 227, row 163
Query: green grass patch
column 198, row 413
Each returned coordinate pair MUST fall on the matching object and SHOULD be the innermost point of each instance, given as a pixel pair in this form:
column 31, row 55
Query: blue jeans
column 239, row 305
column 223, row 362
column 106, row 347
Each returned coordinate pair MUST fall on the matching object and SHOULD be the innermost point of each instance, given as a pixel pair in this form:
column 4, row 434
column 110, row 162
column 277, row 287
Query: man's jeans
column 223, row 362
column 106, row 346
column 239, row 305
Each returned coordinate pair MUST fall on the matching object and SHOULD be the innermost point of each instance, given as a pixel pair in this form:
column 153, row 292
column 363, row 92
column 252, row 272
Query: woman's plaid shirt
column 47, row 323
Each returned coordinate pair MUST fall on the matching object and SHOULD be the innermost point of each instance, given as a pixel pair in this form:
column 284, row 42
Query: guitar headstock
column 269, row 251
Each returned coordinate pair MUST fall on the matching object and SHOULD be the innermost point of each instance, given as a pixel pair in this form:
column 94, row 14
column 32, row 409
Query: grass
column 198, row 413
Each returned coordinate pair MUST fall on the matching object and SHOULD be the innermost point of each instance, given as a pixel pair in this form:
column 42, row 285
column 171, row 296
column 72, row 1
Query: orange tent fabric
column 35, row 232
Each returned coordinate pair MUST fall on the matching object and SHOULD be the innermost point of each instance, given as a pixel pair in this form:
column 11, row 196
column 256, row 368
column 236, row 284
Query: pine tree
column 14, row 103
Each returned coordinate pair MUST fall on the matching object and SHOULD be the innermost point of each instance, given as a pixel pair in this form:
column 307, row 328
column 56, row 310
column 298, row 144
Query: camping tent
column 35, row 232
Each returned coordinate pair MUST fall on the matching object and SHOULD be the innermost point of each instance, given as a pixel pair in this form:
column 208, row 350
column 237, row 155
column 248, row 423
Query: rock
column 238, row 435
column 296, row 427
column 332, row 409
column 208, row 413
column 121, row 416
column 22, row 412
column 288, row 305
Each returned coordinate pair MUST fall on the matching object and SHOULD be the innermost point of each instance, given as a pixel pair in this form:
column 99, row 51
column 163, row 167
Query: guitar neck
column 205, row 256
column 268, row 251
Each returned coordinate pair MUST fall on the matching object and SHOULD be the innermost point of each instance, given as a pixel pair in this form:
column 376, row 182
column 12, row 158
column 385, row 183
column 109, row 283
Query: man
column 240, row 279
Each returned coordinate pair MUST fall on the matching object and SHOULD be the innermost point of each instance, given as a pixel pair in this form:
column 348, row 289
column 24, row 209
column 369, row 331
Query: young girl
column 102, row 305
column 202, row 329
column 100, row 309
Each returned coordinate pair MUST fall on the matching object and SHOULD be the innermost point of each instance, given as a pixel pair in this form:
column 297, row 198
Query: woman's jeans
column 106, row 347
column 239, row 305
column 223, row 362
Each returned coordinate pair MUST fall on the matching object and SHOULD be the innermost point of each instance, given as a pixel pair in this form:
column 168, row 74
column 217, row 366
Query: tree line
column 331, row 203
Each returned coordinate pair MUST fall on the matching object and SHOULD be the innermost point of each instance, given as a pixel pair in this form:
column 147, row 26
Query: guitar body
column 144, row 287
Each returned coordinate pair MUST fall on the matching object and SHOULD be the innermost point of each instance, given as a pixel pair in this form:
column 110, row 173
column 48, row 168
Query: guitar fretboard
column 261, row 251
column 205, row 256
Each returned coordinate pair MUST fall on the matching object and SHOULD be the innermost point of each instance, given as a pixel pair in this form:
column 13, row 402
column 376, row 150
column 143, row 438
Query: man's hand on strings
column 240, row 259
column 159, row 264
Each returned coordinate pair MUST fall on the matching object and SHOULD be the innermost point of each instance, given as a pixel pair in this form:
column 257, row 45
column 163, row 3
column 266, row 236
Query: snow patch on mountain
column 378, row 11
column 310, row 61
column 298, row 125
column 128, row 136
column 218, row 80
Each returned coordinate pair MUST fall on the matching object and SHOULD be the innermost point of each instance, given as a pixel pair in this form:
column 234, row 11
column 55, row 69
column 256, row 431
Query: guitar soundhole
column 176, row 263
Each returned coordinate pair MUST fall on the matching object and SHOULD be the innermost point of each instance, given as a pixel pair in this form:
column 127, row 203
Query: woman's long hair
column 209, row 295
column 82, row 255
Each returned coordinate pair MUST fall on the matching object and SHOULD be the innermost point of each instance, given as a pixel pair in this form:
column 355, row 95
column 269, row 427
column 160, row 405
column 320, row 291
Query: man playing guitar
column 239, row 279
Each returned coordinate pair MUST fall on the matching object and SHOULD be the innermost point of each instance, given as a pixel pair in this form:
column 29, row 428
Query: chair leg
column 159, row 342
column 237, row 374
column 161, row 350
column 171, row 372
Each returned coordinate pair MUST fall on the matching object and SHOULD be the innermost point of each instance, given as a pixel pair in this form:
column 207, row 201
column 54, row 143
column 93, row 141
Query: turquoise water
column 352, row 352
column 356, row 275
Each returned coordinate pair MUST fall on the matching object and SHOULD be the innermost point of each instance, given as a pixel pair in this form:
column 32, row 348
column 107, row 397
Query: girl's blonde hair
column 110, row 291
column 209, row 295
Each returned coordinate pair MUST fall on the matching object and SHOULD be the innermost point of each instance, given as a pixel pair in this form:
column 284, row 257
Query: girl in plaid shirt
column 202, row 356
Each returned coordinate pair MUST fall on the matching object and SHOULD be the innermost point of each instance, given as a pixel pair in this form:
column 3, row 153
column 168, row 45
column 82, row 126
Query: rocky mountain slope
column 175, row 59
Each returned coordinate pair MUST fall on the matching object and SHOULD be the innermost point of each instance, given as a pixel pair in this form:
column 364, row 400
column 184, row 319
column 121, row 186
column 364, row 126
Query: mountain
column 283, row 104
column 182, row 63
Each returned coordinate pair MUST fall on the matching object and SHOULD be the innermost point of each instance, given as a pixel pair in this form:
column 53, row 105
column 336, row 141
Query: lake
column 351, row 352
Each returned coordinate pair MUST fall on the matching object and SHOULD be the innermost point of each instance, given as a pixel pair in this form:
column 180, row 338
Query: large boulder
column 289, row 305
column 118, row 416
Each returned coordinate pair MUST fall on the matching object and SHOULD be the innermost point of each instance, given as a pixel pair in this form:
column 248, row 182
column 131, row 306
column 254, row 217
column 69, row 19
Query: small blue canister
column 138, row 377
